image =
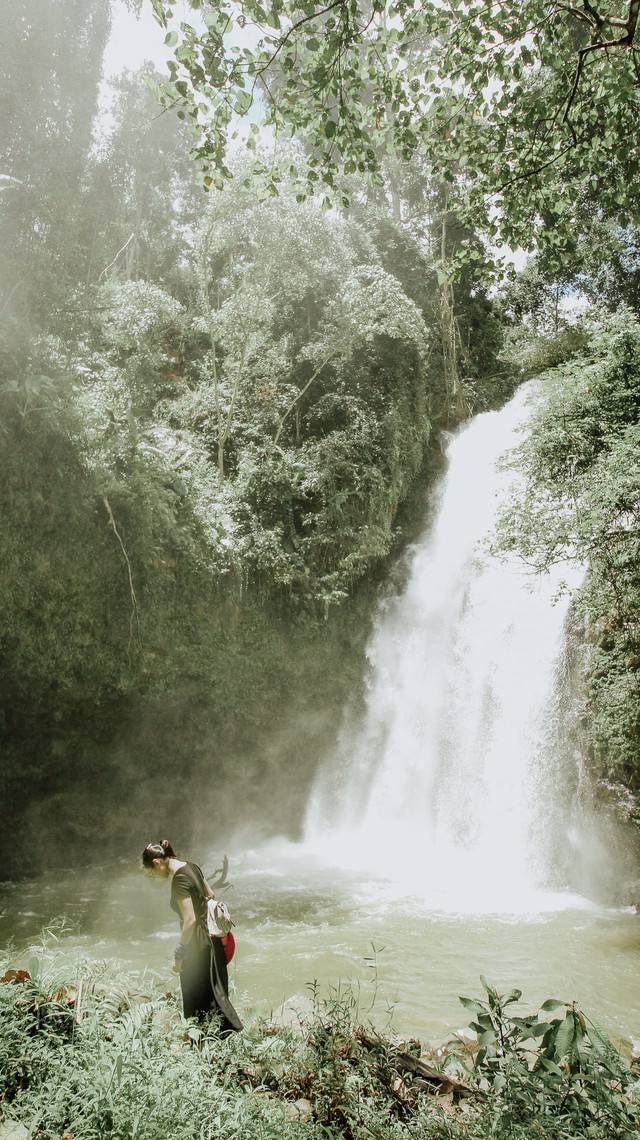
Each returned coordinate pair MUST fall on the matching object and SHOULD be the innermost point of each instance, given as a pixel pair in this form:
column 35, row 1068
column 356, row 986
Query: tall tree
column 286, row 300
column 51, row 69
column 140, row 191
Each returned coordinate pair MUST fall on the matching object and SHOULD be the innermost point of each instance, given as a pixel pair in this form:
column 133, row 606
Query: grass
column 99, row 1054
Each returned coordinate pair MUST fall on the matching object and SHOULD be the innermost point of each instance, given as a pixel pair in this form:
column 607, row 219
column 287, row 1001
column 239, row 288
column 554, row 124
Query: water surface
column 300, row 922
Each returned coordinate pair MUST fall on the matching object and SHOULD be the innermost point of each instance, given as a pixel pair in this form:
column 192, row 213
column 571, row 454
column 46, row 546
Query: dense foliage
column 581, row 500
column 180, row 474
column 97, row 1056
column 528, row 108
column 607, row 267
column 213, row 413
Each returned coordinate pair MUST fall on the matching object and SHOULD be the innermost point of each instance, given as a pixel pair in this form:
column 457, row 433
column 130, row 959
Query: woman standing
column 198, row 958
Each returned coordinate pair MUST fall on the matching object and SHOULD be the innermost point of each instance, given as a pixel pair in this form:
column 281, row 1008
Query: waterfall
column 444, row 784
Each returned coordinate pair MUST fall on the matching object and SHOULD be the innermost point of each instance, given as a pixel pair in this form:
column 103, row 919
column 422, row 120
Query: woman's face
column 158, row 869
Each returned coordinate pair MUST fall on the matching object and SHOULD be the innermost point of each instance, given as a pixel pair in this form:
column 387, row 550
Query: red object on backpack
column 229, row 943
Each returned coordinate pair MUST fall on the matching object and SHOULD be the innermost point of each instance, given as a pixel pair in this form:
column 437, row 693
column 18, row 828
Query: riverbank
column 95, row 1053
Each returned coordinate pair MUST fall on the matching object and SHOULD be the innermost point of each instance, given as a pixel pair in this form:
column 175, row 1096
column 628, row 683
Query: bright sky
column 132, row 41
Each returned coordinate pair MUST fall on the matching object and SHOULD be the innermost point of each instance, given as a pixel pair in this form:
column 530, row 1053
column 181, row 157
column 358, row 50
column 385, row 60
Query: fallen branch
column 219, row 876
column 419, row 1068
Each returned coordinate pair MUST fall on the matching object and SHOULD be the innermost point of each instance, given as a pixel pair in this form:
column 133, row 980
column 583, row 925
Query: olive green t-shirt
column 188, row 882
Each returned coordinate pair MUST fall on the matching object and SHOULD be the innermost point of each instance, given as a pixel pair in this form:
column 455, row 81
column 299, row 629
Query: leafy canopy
column 528, row 108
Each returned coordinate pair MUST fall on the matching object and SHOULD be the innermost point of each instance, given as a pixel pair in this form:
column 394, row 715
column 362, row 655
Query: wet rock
column 166, row 1019
column 13, row 1130
column 301, row 1110
column 294, row 1013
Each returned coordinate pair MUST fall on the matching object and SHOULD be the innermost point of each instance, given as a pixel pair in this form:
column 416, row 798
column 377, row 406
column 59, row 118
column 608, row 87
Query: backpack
column 217, row 918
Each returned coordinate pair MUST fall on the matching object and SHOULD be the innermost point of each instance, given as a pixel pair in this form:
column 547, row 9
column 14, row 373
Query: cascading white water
column 443, row 784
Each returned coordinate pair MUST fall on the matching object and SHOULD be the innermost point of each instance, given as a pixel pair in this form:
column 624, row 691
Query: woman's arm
column 188, row 915
column 188, row 920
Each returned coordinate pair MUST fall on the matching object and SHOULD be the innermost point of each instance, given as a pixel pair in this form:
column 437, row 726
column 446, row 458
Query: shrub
column 107, row 1056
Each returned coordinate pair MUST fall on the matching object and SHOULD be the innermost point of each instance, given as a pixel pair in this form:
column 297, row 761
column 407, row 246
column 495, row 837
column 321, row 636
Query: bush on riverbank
column 106, row 1056
column 580, row 499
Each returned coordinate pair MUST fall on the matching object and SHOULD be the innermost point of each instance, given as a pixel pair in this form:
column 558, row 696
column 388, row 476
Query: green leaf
column 551, row 1003
column 171, row 39
column 550, row 1066
column 512, row 997
column 472, row 1004
column 243, row 102
column 160, row 12
column 565, row 1037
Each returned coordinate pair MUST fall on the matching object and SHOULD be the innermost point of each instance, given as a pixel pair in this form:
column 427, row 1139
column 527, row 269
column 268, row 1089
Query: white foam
column 445, row 786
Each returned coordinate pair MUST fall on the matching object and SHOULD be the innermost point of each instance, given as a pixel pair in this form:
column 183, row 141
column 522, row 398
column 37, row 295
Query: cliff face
column 175, row 651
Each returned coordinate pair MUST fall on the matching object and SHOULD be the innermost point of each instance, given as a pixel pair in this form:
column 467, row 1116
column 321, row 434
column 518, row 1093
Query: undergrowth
column 99, row 1055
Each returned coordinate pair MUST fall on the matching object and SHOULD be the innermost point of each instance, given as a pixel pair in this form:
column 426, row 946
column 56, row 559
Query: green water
column 299, row 923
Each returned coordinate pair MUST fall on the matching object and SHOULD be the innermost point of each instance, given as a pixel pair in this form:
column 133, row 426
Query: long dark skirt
column 204, row 981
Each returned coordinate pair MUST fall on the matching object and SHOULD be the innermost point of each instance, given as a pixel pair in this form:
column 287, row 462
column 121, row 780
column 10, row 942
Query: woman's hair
column 161, row 850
